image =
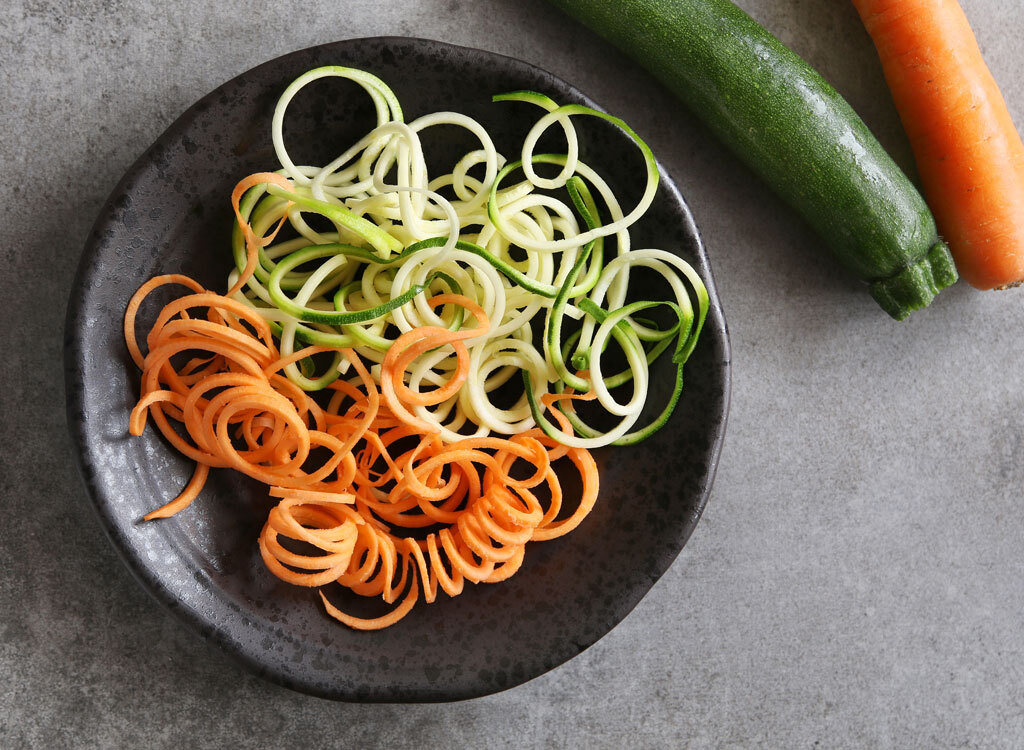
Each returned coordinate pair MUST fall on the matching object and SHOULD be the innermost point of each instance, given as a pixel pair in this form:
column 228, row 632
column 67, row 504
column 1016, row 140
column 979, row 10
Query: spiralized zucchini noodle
column 374, row 237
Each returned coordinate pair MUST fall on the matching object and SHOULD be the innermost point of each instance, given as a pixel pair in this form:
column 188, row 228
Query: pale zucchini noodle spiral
column 530, row 253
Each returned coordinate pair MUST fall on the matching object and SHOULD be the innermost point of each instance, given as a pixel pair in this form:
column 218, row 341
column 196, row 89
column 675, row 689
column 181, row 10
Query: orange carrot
column 252, row 242
column 183, row 500
column 413, row 343
column 968, row 152
column 354, row 512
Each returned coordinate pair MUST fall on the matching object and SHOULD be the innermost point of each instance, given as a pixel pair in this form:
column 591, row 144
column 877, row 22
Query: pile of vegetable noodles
column 411, row 302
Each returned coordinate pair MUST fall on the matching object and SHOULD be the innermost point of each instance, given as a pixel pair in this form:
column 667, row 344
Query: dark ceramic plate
column 170, row 214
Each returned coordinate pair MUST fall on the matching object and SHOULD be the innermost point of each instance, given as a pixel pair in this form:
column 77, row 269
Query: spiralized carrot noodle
column 357, row 475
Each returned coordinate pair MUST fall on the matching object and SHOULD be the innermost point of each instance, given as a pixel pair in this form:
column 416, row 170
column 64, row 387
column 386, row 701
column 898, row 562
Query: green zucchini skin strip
column 349, row 318
column 309, row 315
column 786, row 123
column 313, row 337
column 532, row 97
column 514, row 275
column 651, row 165
column 553, row 328
column 617, row 319
column 614, row 381
column 381, row 241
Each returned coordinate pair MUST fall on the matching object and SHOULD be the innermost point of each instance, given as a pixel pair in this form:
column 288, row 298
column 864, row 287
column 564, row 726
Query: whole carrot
column 968, row 152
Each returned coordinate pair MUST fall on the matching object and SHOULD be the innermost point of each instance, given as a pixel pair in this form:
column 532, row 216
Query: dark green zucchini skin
column 781, row 118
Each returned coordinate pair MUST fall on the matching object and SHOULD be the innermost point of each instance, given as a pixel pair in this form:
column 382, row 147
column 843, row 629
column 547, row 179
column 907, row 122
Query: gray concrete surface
column 855, row 582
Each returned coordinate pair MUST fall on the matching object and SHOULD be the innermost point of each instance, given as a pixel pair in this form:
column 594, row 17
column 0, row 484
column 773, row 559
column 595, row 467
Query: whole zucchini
column 794, row 130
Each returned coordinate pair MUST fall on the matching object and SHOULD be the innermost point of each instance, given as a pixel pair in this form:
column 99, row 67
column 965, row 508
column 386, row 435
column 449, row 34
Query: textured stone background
column 856, row 580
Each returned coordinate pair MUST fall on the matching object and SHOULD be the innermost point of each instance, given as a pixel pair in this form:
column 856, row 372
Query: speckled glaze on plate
column 170, row 213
